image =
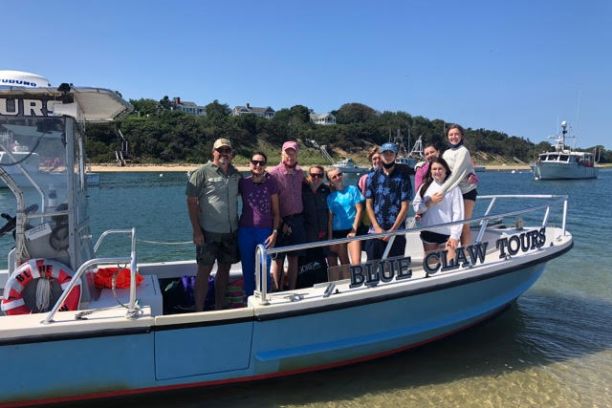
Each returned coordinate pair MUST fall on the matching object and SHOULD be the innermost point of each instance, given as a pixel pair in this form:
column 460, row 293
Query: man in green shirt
column 212, row 202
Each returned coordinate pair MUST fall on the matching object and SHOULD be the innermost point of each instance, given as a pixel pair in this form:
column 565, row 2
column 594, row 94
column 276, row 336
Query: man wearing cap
column 212, row 202
column 289, row 178
column 388, row 194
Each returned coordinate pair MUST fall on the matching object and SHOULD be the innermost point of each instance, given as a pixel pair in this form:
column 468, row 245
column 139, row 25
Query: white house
column 323, row 118
column 267, row 113
column 188, row 107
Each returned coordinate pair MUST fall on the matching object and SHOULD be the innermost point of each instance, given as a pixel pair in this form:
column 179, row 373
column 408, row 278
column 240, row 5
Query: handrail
column 109, row 232
column 132, row 260
column 262, row 252
column 76, row 278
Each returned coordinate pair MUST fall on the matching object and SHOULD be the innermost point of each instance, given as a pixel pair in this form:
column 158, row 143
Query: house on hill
column 267, row 113
column 190, row 108
column 322, row 118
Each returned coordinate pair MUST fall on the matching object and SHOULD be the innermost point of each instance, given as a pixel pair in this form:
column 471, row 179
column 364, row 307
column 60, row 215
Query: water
column 552, row 348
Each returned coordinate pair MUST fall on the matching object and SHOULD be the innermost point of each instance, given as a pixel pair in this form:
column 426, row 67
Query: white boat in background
column 65, row 338
column 409, row 158
column 564, row 163
column 347, row 165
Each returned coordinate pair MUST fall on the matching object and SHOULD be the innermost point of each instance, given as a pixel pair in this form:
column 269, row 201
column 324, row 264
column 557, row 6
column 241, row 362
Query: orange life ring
column 13, row 302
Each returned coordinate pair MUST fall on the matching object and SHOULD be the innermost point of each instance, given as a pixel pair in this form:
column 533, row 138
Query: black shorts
column 470, row 195
column 219, row 247
column 295, row 237
column 337, row 234
column 430, row 237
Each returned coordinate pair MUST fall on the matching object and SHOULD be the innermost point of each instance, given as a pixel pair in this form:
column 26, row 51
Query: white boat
column 346, row 165
column 89, row 342
column 409, row 158
column 564, row 163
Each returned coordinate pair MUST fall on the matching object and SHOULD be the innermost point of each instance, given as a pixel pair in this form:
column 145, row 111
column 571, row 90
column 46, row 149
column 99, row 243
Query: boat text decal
column 373, row 272
column 24, row 107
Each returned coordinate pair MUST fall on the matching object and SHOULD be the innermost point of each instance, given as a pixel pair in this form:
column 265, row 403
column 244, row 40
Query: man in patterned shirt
column 388, row 194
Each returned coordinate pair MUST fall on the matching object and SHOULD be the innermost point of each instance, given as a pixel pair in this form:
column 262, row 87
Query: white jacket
column 448, row 210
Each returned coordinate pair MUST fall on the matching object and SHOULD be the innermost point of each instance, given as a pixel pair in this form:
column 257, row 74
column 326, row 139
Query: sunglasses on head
column 258, row 162
column 313, row 175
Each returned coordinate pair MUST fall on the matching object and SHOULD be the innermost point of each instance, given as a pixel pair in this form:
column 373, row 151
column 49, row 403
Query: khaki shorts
column 222, row 248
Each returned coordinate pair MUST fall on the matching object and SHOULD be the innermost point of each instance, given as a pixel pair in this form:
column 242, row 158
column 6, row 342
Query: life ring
column 13, row 302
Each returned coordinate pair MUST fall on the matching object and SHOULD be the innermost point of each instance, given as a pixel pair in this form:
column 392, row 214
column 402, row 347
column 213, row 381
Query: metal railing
column 132, row 308
column 262, row 253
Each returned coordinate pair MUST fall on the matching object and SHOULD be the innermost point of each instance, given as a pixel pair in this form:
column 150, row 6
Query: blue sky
column 519, row 67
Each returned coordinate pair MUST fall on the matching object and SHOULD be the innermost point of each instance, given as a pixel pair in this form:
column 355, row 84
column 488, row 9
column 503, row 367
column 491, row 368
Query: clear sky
column 517, row 66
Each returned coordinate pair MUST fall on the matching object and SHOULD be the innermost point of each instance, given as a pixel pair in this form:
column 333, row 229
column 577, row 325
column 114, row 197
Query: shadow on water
column 538, row 330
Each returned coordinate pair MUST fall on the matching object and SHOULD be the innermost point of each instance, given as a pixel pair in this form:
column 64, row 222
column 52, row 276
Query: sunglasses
column 224, row 150
column 337, row 175
column 258, row 162
column 313, row 175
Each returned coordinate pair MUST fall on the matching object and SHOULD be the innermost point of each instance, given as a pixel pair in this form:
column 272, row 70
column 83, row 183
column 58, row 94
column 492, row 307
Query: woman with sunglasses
column 260, row 217
column 316, row 212
column 345, row 208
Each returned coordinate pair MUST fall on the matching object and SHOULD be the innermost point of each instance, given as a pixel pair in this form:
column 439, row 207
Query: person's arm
column 193, row 209
column 463, row 164
column 370, row 210
column 330, row 218
column 271, row 240
column 401, row 216
column 457, row 212
column 359, row 209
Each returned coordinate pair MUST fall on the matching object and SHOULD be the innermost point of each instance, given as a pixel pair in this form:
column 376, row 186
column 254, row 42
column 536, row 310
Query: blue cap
column 388, row 147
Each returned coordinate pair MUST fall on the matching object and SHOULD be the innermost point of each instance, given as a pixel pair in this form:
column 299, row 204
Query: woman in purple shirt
column 260, row 217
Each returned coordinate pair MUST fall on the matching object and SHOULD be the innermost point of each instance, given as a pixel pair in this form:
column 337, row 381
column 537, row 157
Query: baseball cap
column 290, row 144
column 388, row 147
column 222, row 143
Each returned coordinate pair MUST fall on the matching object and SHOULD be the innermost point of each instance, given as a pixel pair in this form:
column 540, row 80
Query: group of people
column 284, row 206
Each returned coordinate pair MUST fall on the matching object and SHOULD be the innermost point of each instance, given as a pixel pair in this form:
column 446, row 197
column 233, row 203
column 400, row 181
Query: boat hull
column 153, row 354
column 563, row 171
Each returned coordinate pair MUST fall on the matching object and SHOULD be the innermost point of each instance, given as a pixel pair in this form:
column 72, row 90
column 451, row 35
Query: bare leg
column 221, row 285
column 466, row 233
column 201, row 286
column 277, row 273
column 355, row 251
column 292, row 271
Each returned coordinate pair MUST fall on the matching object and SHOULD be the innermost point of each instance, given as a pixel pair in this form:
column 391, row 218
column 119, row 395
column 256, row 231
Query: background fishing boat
column 564, row 163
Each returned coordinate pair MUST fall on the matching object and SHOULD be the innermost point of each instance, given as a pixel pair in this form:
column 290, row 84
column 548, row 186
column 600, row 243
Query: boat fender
column 13, row 302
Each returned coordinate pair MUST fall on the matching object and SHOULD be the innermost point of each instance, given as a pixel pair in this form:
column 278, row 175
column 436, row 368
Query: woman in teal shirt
column 345, row 209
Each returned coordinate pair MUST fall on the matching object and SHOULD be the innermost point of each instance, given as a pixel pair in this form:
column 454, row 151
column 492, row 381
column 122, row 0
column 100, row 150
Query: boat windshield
column 32, row 154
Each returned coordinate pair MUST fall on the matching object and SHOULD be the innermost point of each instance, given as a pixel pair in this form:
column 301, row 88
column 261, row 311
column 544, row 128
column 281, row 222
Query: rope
column 144, row 241
column 43, row 294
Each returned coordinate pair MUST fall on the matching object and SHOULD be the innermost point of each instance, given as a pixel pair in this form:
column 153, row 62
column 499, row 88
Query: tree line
column 156, row 133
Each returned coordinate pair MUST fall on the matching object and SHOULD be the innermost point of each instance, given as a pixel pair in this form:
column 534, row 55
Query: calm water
column 552, row 348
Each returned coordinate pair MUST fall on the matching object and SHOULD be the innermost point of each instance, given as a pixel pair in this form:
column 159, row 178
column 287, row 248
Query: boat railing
column 262, row 253
column 132, row 310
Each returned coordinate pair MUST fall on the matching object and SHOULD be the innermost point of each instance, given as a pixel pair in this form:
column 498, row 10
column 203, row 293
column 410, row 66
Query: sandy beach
column 185, row 167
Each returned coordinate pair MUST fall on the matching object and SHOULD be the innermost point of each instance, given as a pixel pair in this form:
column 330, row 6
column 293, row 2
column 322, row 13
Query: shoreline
column 176, row 168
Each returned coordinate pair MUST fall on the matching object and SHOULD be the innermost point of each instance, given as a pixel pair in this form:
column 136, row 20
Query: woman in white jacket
column 460, row 162
column 449, row 209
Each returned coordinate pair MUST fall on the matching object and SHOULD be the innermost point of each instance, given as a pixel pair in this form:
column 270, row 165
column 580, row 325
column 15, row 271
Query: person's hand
column 387, row 238
column 198, row 237
column 351, row 234
column 437, row 197
column 452, row 244
column 473, row 178
column 271, row 240
column 417, row 217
